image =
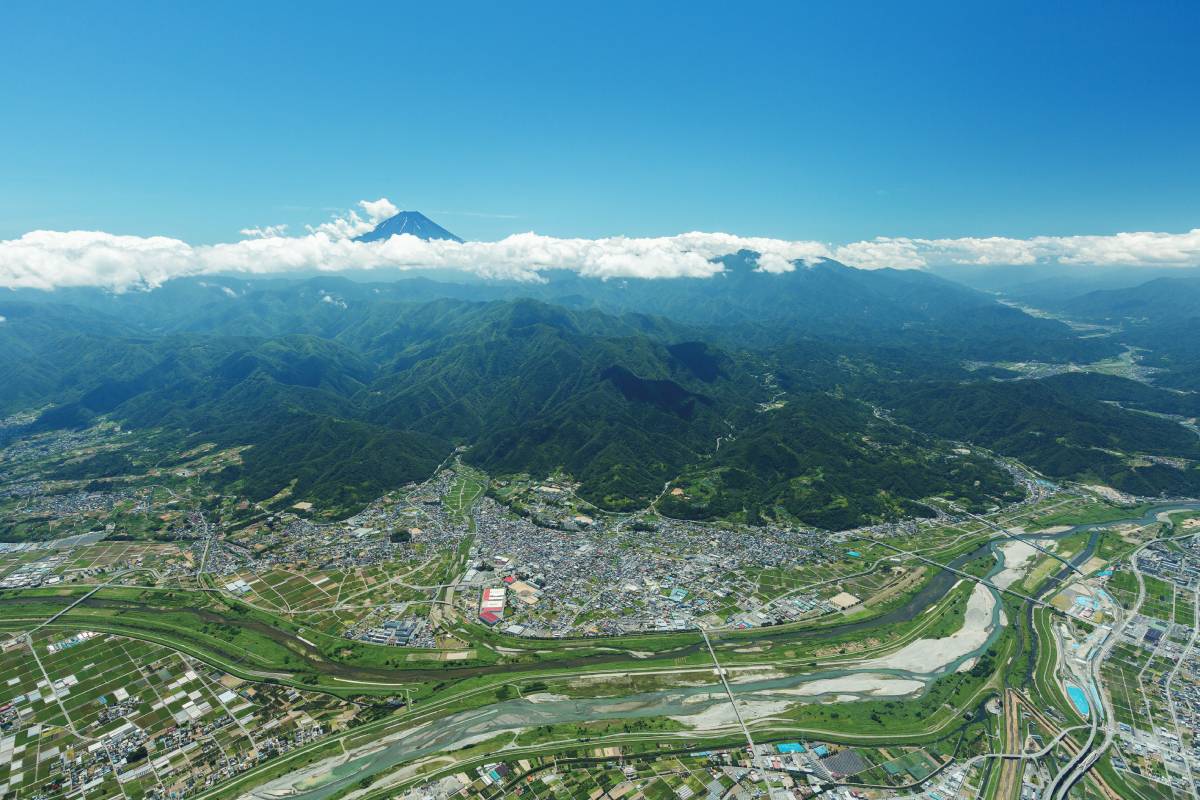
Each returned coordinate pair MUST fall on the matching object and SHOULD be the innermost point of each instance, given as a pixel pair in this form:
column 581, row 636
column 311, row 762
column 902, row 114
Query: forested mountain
column 831, row 463
column 750, row 392
column 43, row 346
column 1067, row 427
column 1127, row 393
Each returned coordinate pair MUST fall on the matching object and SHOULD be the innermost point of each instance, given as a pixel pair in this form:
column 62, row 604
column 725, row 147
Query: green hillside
column 343, row 390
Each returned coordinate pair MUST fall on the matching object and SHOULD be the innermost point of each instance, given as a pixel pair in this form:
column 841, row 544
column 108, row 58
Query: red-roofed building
column 488, row 618
column 492, row 602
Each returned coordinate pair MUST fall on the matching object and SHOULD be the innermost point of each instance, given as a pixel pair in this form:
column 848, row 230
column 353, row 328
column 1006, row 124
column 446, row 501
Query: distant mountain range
column 413, row 223
column 739, row 307
column 1161, row 317
column 1164, row 298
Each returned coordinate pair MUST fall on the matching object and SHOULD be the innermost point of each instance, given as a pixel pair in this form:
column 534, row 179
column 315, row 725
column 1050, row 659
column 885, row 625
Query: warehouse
column 491, row 604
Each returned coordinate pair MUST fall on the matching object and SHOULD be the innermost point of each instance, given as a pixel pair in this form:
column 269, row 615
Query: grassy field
column 1088, row 513
column 468, row 486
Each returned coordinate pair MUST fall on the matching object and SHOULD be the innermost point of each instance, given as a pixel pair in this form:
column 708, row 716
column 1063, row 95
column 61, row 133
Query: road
column 1010, row 775
column 1090, row 753
column 729, row 692
column 1190, row 648
column 1082, row 760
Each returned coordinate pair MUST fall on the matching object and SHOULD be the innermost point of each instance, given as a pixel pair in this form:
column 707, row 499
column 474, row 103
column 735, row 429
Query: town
column 433, row 569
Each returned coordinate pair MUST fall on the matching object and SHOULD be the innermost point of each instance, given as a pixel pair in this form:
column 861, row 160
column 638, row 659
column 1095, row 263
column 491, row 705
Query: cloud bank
column 51, row 259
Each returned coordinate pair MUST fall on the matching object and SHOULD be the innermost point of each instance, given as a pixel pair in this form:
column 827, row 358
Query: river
column 460, row 729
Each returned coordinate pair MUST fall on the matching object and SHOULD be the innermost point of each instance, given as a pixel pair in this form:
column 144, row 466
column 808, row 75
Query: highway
column 1090, row 752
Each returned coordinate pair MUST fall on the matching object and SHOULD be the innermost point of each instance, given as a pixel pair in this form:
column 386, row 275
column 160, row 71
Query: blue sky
column 831, row 122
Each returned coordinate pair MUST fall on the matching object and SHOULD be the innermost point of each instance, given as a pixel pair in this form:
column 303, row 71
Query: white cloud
column 265, row 232
column 49, row 259
column 378, row 210
column 350, row 224
column 1122, row 249
column 331, row 300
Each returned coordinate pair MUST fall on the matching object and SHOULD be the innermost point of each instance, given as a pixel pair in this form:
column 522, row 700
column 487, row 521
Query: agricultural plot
column 1121, row 676
column 350, row 601
column 668, row 778
column 111, row 555
column 396, row 582
column 88, row 562
column 773, row 581
column 1185, row 610
column 1159, row 601
column 12, row 559
column 104, row 714
column 867, row 585
column 1147, row 788
column 296, row 591
column 287, row 590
